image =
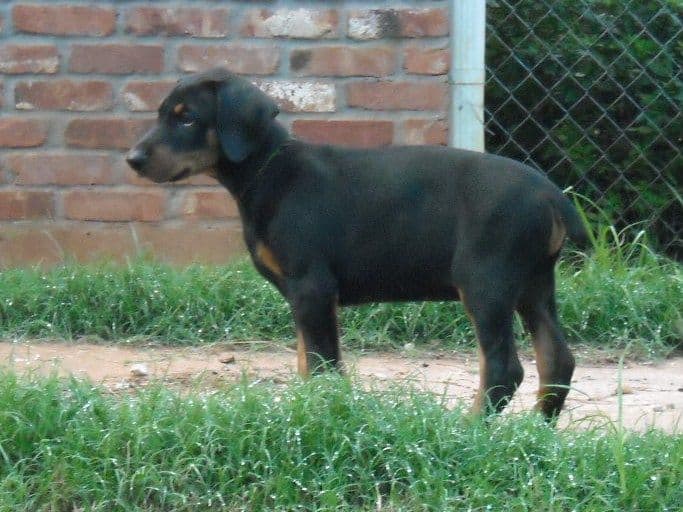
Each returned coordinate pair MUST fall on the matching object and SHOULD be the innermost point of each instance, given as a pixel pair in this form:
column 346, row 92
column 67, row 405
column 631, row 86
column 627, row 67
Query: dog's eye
column 186, row 119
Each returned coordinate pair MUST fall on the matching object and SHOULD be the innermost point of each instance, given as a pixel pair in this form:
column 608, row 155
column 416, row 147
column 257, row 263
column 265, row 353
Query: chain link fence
column 591, row 92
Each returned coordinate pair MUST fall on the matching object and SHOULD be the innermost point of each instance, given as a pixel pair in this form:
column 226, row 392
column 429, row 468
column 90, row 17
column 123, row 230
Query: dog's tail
column 572, row 223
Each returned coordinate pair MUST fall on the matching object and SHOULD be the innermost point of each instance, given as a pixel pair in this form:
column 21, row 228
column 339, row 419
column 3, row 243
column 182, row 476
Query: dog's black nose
column 136, row 158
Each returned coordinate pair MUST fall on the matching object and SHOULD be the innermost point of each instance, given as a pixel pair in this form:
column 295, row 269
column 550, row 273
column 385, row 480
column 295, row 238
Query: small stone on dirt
column 120, row 386
column 227, row 359
column 139, row 370
column 624, row 390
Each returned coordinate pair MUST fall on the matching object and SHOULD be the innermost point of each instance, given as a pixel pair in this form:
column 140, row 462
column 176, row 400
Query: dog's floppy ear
column 243, row 116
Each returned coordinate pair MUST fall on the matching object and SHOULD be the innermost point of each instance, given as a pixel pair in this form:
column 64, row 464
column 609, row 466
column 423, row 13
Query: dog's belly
column 351, row 294
column 402, row 277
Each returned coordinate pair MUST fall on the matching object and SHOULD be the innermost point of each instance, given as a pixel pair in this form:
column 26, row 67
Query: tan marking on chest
column 268, row 259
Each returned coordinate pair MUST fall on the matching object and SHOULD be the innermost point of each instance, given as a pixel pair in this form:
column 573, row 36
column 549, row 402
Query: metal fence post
column 468, row 36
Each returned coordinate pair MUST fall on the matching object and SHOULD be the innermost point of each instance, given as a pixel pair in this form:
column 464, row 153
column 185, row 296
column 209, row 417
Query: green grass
column 324, row 444
column 621, row 296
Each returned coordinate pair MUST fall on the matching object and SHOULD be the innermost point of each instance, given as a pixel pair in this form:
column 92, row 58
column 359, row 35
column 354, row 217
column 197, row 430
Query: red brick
column 25, row 245
column 298, row 23
column 249, row 60
column 26, row 204
column 63, row 20
column 209, row 204
column 354, row 133
column 116, row 59
column 17, row 132
column 343, row 61
column 397, row 95
column 425, row 131
column 379, row 23
column 63, row 95
column 426, row 61
column 59, row 168
column 109, row 133
column 192, row 242
column 23, row 58
column 145, row 21
column 145, row 96
column 115, row 206
column 50, row 242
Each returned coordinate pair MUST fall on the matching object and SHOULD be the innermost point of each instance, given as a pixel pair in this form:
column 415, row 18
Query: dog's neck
column 240, row 178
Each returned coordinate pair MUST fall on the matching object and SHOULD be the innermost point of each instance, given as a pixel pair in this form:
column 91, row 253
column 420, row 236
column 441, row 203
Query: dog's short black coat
column 334, row 226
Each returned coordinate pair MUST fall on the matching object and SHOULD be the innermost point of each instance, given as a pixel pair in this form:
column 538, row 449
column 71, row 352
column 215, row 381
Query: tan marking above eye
column 178, row 109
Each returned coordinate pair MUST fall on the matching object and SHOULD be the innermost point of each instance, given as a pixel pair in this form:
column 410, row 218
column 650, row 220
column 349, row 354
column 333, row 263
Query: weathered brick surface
column 300, row 23
column 19, row 132
column 209, row 204
column 59, row 168
column 426, row 61
column 117, row 59
column 63, row 95
column 343, row 61
column 301, row 96
column 379, row 23
column 28, row 58
column 26, row 204
column 346, row 133
column 63, row 20
column 248, row 60
column 80, row 81
column 397, row 95
column 115, row 205
column 104, row 133
column 174, row 21
column 145, row 96
column 425, row 131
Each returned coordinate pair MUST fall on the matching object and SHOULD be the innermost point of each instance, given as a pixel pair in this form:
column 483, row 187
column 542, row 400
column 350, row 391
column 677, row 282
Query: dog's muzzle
column 137, row 159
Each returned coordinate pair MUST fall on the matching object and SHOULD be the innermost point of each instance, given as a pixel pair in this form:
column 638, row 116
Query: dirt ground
column 652, row 393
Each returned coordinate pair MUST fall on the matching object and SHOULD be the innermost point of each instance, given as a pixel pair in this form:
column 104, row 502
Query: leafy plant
column 591, row 92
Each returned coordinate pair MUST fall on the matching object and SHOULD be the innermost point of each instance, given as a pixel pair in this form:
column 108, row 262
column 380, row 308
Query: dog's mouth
column 181, row 175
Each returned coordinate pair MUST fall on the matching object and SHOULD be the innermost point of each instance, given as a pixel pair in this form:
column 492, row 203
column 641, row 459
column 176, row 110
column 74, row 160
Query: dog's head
column 208, row 118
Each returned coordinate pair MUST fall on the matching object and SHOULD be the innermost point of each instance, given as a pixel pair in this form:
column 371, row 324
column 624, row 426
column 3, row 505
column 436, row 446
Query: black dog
column 333, row 226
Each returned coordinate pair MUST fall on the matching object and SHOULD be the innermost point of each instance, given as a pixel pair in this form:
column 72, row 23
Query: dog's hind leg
column 554, row 360
column 500, row 371
column 314, row 303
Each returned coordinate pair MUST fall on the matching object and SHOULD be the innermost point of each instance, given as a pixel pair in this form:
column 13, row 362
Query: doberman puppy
column 333, row 226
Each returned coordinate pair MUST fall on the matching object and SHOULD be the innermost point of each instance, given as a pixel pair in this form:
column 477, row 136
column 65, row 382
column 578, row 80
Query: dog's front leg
column 313, row 299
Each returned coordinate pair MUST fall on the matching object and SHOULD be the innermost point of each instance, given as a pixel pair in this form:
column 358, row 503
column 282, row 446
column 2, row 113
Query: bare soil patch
column 651, row 393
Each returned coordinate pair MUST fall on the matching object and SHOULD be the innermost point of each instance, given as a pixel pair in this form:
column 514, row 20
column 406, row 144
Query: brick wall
column 80, row 80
